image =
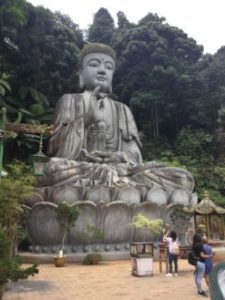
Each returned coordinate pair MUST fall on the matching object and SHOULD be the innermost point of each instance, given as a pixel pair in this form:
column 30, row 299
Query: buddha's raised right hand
column 96, row 106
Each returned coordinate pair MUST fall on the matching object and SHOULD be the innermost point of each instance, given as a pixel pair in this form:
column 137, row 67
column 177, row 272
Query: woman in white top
column 173, row 251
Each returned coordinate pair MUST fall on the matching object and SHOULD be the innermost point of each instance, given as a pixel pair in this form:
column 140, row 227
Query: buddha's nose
column 101, row 69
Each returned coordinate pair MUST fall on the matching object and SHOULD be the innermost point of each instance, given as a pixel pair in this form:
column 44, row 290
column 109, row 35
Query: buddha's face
column 97, row 70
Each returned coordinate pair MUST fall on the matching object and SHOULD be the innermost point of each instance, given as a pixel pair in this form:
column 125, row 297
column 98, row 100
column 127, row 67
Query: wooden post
column 163, row 256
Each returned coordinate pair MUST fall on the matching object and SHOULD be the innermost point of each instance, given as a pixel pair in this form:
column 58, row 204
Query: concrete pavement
column 110, row 280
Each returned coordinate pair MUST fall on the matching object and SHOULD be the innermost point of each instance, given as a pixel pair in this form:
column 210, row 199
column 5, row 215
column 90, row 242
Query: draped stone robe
column 117, row 131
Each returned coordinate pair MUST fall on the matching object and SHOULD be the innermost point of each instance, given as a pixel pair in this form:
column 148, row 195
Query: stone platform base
column 45, row 258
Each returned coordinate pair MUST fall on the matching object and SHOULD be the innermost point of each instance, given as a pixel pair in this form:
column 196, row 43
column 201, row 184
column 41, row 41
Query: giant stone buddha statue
column 95, row 139
column 96, row 150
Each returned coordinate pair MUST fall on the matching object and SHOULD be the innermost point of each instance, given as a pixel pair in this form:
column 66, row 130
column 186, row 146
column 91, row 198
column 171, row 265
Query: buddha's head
column 97, row 65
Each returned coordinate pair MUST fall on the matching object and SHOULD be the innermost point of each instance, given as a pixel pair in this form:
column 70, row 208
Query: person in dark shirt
column 199, row 252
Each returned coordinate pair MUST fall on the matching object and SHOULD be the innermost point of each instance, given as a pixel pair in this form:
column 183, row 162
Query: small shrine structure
column 207, row 209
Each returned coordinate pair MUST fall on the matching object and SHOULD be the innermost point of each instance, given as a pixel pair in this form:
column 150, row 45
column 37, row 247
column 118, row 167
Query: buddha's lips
column 101, row 78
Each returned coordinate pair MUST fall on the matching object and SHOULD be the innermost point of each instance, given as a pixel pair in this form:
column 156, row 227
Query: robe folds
column 70, row 134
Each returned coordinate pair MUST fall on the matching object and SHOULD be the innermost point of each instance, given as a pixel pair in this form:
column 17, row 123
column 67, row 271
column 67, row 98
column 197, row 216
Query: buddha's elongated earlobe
column 81, row 81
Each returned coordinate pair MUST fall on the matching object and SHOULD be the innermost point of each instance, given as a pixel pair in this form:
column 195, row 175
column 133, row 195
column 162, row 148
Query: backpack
column 175, row 248
column 192, row 259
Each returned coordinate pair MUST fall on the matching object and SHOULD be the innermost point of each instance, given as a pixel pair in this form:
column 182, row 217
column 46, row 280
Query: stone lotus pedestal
column 111, row 219
column 110, row 209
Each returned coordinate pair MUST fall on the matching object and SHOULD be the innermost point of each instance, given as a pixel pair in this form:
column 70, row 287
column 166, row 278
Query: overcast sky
column 203, row 20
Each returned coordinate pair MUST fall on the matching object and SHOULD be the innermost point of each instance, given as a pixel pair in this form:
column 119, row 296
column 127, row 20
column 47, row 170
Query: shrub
column 93, row 235
column 154, row 226
column 10, row 267
column 92, row 259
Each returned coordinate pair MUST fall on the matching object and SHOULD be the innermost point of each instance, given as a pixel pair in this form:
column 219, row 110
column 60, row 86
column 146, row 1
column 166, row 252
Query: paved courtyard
column 106, row 281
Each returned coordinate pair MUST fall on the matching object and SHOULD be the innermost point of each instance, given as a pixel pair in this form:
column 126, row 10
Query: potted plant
column 93, row 235
column 67, row 215
column 142, row 252
column 10, row 267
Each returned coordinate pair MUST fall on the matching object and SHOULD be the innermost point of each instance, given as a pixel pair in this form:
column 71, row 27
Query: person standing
column 173, row 252
column 199, row 252
column 208, row 261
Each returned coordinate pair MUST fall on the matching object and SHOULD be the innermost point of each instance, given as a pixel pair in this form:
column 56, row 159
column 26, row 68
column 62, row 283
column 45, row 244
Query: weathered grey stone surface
column 113, row 219
column 66, row 193
column 157, row 196
column 129, row 195
column 97, row 164
column 99, row 193
column 115, row 222
column 43, row 224
column 89, row 215
column 180, row 197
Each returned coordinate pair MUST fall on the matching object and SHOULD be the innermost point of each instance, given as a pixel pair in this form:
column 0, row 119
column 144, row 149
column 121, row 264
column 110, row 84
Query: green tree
column 196, row 145
column 210, row 72
column 123, row 22
column 4, row 89
column 102, row 29
column 156, row 60
column 15, row 188
column 12, row 17
column 45, row 57
column 41, row 67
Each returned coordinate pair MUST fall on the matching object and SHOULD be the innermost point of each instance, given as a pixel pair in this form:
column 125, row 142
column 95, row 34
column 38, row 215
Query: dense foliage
column 14, row 189
column 92, row 259
column 154, row 226
column 10, row 267
column 176, row 93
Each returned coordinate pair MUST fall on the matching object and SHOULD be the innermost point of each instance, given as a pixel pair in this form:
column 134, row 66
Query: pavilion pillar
column 208, row 233
column 210, row 223
column 222, row 226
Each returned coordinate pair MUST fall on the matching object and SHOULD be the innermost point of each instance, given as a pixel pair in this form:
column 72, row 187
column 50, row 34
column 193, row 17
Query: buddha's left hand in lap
column 107, row 157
